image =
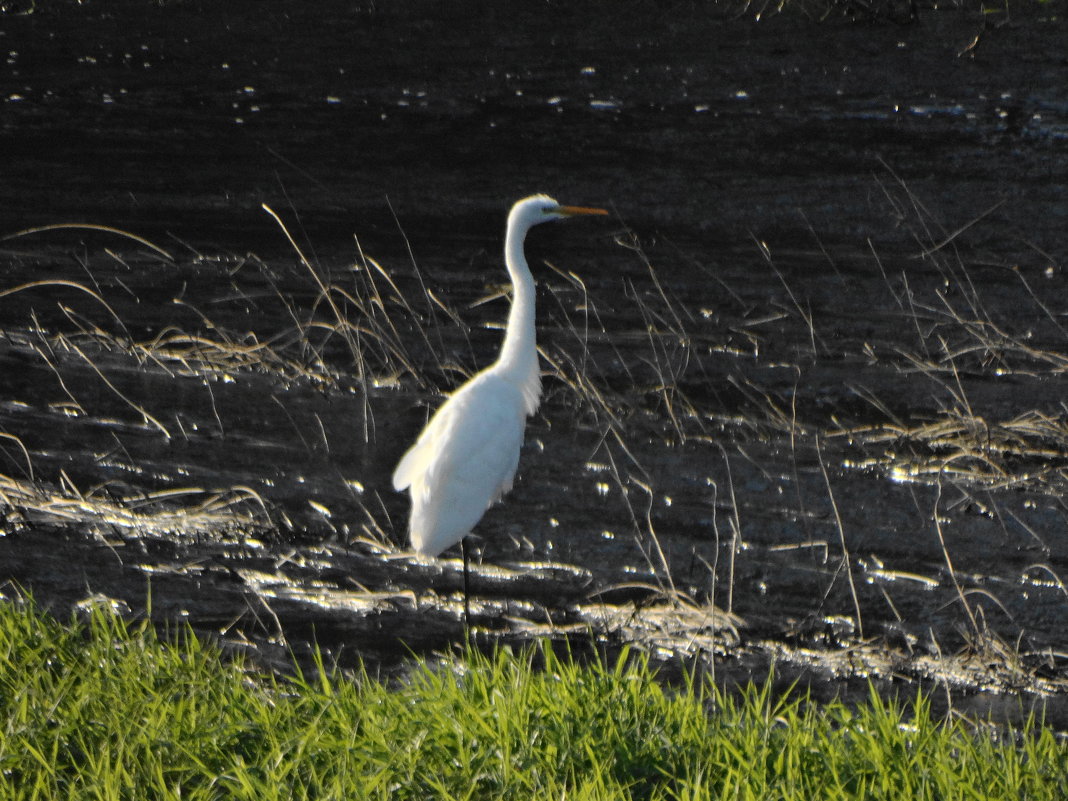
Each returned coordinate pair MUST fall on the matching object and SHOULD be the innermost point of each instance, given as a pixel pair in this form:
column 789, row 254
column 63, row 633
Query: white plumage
column 466, row 457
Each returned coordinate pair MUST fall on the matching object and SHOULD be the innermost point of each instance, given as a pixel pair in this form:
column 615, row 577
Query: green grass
column 103, row 710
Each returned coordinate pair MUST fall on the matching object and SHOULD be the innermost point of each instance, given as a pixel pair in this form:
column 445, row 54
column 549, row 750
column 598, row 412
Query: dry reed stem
column 846, row 559
column 89, row 227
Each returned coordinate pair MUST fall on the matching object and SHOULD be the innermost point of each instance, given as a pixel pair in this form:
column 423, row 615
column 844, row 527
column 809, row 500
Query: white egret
column 466, row 457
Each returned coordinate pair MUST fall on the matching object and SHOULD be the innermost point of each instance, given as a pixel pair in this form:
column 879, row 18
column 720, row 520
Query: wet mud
column 804, row 390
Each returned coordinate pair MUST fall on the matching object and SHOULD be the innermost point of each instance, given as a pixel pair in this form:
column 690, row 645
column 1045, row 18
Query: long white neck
column 519, row 353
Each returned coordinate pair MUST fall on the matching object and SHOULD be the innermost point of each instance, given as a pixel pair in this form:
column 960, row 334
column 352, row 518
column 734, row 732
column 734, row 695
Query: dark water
column 812, row 370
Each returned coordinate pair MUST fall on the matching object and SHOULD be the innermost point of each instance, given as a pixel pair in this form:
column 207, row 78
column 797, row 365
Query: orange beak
column 572, row 211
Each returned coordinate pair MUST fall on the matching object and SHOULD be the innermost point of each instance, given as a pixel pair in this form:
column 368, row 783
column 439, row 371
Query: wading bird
column 466, row 457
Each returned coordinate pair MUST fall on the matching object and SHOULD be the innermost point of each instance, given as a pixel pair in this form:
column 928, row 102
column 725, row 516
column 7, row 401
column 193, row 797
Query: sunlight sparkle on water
column 318, row 507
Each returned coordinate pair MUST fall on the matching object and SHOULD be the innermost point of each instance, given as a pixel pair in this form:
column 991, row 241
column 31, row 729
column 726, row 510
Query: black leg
column 467, row 588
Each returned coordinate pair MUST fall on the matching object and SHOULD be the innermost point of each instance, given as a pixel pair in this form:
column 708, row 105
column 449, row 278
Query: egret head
column 531, row 211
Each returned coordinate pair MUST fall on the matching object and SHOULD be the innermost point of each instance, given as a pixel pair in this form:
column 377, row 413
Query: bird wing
column 467, row 418
column 463, row 461
column 415, row 458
